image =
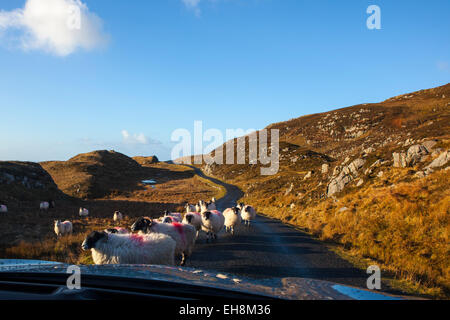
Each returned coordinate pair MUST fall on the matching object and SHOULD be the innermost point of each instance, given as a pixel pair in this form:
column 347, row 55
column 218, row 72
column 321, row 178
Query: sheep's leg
column 183, row 259
column 232, row 230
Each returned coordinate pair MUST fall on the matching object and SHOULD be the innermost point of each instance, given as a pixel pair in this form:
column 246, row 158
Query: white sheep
column 3, row 208
column 206, row 206
column 118, row 216
column 44, row 206
column 110, row 248
column 84, row 212
column 175, row 215
column 190, row 208
column 183, row 234
column 117, row 230
column 212, row 223
column 63, row 228
column 232, row 219
column 194, row 219
column 248, row 213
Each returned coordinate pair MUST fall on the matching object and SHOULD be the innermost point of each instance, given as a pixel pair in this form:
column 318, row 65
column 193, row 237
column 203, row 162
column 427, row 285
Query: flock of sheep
column 160, row 241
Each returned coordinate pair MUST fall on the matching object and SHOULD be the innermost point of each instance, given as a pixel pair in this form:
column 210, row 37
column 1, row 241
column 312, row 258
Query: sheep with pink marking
column 111, row 248
column 183, row 234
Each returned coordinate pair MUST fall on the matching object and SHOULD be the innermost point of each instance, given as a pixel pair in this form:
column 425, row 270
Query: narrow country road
column 270, row 249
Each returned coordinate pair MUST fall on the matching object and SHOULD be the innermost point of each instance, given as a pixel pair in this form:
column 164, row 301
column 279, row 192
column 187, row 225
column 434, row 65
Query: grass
column 404, row 228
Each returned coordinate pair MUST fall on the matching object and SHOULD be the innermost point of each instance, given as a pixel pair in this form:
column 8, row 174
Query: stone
column 325, row 168
column 440, row 161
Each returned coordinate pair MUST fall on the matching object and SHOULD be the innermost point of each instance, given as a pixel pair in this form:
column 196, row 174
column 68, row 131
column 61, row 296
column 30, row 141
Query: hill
column 371, row 178
column 95, row 174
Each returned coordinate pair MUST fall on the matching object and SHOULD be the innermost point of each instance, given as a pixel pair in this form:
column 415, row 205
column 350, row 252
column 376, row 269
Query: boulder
column 325, row 168
column 415, row 154
column 440, row 161
column 347, row 174
column 399, row 160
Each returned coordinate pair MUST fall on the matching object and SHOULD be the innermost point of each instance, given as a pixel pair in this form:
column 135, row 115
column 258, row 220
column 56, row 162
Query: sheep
column 190, row 208
column 111, row 248
column 84, row 212
column 206, row 206
column 232, row 219
column 175, row 215
column 3, row 208
column 63, row 228
column 212, row 222
column 117, row 230
column 44, row 206
column 248, row 213
column 183, row 234
column 194, row 219
column 118, row 216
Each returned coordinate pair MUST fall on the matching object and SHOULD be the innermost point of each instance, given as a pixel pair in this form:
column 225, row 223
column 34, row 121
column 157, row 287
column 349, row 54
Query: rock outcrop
column 347, row 174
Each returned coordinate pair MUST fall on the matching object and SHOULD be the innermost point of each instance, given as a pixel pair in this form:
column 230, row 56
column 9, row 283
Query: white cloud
column 134, row 139
column 58, row 27
column 193, row 5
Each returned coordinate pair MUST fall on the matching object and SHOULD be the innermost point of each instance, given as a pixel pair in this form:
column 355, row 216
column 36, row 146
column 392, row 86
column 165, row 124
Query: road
column 270, row 249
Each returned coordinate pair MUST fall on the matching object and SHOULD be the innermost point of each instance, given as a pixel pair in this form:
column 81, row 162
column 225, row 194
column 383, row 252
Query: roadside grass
column 403, row 228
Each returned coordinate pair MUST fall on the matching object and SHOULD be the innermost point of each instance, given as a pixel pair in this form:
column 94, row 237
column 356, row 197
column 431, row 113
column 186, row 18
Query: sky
column 84, row 75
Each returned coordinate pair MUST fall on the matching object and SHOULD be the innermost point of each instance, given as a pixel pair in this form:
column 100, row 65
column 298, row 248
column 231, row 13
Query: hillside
column 372, row 178
column 25, row 182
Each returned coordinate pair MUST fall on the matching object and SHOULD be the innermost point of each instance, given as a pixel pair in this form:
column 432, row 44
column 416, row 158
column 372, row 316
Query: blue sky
column 156, row 66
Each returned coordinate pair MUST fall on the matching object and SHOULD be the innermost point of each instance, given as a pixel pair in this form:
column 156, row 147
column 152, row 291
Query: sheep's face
column 207, row 215
column 57, row 223
column 142, row 224
column 92, row 239
column 235, row 210
column 112, row 230
column 167, row 220
column 189, row 218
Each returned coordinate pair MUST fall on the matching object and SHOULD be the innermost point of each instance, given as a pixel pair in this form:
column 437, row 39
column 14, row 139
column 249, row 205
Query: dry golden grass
column 404, row 228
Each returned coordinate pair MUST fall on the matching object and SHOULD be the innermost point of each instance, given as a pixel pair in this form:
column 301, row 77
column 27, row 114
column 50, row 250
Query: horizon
column 133, row 74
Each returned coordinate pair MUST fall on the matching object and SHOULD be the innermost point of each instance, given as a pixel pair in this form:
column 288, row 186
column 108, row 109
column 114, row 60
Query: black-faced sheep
column 176, row 215
column 190, row 208
column 110, row 248
column 63, row 228
column 194, row 219
column 212, row 223
column 183, row 234
column 232, row 219
column 248, row 213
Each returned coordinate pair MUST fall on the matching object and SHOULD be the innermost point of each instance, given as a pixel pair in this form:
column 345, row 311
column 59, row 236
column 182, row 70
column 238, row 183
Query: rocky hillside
column 25, row 181
column 372, row 177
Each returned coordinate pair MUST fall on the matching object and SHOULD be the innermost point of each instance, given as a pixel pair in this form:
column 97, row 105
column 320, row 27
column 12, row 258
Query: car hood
column 282, row 288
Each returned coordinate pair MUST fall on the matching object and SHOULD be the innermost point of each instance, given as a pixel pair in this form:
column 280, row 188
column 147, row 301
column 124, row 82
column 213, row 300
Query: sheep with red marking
column 183, row 234
column 63, row 228
column 232, row 219
column 111, row 248
column 212, row 223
